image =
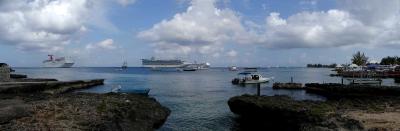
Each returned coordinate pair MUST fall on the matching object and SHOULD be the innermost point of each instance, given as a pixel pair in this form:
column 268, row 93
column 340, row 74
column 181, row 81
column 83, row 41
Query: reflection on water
column 198, row 100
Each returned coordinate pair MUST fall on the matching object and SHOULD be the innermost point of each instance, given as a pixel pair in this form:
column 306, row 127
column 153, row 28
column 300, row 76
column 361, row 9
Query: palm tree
column 359, row 58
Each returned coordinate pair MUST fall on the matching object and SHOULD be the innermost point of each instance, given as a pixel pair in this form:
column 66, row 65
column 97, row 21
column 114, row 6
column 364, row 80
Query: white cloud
column 202, row 28
column 356, row 22
column 46, row 25
column 232, row 53
column 366, row 23
column 126, row 2
column 107, row 44
column 315, row 29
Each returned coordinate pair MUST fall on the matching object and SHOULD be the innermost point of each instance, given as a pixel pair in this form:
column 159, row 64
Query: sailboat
column 124, row 65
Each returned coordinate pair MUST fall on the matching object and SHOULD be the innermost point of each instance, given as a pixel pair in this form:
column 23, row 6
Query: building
column 4, row 72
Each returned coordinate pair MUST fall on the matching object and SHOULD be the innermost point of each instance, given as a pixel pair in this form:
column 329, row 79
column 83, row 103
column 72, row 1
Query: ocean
column 198, row 99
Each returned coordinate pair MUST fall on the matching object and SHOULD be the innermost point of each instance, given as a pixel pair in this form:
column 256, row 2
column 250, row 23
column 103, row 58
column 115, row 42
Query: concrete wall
column 4, row 72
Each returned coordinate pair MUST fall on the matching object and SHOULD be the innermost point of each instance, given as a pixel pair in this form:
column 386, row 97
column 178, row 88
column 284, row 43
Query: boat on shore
column 119, row 89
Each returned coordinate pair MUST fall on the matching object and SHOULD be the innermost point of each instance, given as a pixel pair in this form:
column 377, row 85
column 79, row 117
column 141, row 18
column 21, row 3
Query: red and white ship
column 61, row 62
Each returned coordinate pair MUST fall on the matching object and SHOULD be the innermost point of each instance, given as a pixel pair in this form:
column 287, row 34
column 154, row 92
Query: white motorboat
column 233, row 68
column 250, row 78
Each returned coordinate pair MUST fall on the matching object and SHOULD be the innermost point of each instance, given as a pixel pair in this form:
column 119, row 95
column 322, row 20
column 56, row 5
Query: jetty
column 289, row 85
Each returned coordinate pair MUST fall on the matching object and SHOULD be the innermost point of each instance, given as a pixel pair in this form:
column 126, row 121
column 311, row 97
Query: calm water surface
column 198, row 100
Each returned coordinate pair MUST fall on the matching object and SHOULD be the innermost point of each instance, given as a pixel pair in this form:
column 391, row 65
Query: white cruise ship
column 61, row 62
column 154, row 63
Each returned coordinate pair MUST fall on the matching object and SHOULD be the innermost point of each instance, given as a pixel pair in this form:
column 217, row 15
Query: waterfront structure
column 61, row 62
column 4, row 72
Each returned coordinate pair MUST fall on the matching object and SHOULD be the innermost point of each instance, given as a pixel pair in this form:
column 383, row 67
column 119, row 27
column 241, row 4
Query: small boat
column 144, row 92
column 124, row 65
column 233, row 68
column 116, row 88
column 249, row 78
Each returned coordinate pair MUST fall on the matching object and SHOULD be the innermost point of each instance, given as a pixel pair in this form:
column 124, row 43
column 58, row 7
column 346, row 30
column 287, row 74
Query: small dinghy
column 140, row 91
column 144, row 92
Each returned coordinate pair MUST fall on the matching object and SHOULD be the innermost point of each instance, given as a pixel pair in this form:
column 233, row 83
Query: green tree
column 390, row 60
column 359, row 58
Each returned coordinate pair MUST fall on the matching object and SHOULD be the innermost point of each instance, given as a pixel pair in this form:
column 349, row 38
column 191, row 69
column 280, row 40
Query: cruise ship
column 61, row 62
column 154, row 63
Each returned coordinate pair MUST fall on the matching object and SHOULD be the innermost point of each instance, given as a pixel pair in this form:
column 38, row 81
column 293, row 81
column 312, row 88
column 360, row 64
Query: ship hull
column 58, row 65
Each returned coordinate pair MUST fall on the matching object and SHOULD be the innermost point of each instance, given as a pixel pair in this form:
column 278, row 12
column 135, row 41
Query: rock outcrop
column 81, row 111
column 284, row 113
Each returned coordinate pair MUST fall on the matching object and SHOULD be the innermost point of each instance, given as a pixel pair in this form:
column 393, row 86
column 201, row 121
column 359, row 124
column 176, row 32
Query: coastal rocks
column 10, row 109
column 84, row 111
column 4, row 72
column 284, row 113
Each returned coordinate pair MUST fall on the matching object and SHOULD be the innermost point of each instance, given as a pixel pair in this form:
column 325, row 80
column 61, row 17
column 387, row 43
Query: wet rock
column 11, row 109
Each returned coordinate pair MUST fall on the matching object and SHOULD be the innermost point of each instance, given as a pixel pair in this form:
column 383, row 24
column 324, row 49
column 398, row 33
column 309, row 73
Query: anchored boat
column 233, row 68
column 61, row 62
column 250, row 78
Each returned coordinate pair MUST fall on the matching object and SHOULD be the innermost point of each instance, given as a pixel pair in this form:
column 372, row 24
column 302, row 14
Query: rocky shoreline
column 355, row 109
column 49, row 104
column 81, row 111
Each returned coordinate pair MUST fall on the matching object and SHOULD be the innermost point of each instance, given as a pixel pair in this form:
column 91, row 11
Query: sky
column 102, row 33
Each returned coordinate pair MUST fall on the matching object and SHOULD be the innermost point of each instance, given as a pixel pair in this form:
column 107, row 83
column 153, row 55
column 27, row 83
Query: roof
column 3, row 64
column 353, row 65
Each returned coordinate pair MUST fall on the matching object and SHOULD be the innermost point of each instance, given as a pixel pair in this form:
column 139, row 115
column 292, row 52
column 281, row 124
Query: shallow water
column 198, row 100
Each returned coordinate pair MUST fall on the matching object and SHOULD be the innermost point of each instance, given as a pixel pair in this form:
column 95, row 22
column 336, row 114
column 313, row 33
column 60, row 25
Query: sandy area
column 386, row 120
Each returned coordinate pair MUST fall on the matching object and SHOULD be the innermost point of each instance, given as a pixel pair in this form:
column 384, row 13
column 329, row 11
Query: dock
column 51, row 87
column 289, row 85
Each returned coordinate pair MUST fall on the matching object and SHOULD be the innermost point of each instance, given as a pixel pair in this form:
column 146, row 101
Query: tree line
column 390, row 60
column 361, row 59
column 321, row 65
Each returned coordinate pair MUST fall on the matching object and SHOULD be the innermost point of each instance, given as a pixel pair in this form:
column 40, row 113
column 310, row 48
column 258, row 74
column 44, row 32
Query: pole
column 258, row 89
column 342, row 80
column 291, row 79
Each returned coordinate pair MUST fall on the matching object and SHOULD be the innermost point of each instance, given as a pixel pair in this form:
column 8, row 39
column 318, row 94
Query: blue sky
column 222, row 32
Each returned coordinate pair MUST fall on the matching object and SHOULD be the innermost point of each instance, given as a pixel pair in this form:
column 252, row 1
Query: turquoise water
column 198, row 100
